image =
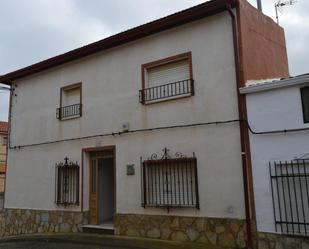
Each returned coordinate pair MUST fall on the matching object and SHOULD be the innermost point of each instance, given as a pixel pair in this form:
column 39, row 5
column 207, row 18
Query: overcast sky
column 33, row 30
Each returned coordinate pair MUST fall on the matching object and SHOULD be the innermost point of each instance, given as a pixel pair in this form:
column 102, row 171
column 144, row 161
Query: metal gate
column 290, row 196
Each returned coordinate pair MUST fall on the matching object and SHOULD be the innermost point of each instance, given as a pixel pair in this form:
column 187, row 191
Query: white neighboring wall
column 273, row 109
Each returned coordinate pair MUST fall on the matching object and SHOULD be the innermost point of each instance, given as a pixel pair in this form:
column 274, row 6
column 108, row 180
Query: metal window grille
column 170, row 182
column 167, row 91
column 67, row 183
column 290, row 196
column 69, row 111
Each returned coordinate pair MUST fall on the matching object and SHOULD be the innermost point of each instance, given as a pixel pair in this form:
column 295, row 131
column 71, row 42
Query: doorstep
column 105, row 228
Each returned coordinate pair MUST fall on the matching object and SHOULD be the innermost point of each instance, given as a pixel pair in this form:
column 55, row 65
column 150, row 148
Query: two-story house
column 140, row 132
column 278, row 115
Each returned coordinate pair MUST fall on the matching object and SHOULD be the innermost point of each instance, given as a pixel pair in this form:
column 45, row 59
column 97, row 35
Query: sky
column 34, row 30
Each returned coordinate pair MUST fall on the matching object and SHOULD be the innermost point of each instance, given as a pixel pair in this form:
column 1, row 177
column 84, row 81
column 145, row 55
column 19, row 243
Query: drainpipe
column 241, row 112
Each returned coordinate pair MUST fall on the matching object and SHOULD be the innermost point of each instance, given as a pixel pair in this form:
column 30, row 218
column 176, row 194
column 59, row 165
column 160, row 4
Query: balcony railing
column 183, row 88
column 70, row 111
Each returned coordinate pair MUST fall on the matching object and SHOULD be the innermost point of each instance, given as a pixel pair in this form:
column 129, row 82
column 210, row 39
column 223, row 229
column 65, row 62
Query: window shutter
column 168, row 73
column 71, row 97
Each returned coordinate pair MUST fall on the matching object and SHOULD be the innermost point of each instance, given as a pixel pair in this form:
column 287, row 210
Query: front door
column 102, row 187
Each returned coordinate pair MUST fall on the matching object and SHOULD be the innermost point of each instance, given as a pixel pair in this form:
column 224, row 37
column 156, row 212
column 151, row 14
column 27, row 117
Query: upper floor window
column 167, row 79
column 305, row 103
column 70, row 102
column 5, row 140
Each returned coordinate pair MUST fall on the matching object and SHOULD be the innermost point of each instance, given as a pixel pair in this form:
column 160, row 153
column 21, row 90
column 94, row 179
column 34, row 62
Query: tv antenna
column 279, row 6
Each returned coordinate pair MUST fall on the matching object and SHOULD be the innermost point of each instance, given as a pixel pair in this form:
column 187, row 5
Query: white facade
column 110, row 83
column 274, row 106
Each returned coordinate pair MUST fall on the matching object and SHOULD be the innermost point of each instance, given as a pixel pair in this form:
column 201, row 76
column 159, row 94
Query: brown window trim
column 174, row 58
column 70, row 87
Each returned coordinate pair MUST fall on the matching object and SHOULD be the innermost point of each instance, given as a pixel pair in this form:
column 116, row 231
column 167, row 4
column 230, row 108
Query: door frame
column 96, row 149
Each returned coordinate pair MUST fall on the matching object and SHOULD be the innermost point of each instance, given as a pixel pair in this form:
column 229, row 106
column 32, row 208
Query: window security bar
column 67, row 183
column 69, row 111
column 170, row 182
column 167, row 91
column 290, row 196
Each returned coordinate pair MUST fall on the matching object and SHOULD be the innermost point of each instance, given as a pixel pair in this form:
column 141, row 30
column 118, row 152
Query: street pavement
column 52, row 245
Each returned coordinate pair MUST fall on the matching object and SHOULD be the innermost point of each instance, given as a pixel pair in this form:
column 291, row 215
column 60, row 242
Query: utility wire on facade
column 164, row 128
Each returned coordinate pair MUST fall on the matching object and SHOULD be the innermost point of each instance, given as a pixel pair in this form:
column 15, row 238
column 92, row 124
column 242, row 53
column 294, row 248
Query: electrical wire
column 164, row 128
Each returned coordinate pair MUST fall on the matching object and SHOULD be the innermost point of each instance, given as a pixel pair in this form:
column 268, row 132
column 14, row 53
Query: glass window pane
column 305, row 103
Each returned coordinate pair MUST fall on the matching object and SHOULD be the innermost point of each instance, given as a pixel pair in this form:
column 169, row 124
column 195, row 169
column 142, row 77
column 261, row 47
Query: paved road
column 51, row 245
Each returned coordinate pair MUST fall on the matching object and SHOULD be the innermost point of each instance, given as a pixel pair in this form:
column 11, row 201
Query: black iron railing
column 290, row 195
column 67, row 183
column 170, row 182
column 168, row 91
column 69, row 111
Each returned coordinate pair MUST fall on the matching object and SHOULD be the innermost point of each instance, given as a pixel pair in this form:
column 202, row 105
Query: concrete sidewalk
column 92, row 241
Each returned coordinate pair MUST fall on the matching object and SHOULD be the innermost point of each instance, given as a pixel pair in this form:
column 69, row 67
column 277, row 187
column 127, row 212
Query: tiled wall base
column 222, row 232
column 27, row 221
column 277, row 241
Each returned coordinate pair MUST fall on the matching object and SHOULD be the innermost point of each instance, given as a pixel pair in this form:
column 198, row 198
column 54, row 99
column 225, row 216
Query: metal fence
column 67, row 183
column 290, row 196
column 167, row 91
column 69, row 111
column 170, row 182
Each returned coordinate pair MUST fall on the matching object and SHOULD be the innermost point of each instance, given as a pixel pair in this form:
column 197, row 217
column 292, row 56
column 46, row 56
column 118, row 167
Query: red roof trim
column 171, row 21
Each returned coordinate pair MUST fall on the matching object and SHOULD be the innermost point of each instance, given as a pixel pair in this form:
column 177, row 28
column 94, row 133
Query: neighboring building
column 278, row 114
column 3, row 153
column 88, row 128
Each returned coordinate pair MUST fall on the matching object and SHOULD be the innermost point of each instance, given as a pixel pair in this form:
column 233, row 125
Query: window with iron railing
column 290, row 196
column 70, row 102
column 170, row 182
column 67, row 183
column 167, row 79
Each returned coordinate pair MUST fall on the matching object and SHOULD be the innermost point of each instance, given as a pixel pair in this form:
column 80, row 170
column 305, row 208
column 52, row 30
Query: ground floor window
column 170, row 182
column 67, row 183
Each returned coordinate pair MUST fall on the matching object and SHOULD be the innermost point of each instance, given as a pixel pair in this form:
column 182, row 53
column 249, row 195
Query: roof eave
column 194, row 13
column 298, row 80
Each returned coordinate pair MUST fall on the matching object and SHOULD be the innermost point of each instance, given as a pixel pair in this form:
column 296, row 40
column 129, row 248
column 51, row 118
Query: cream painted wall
column 111, row 80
